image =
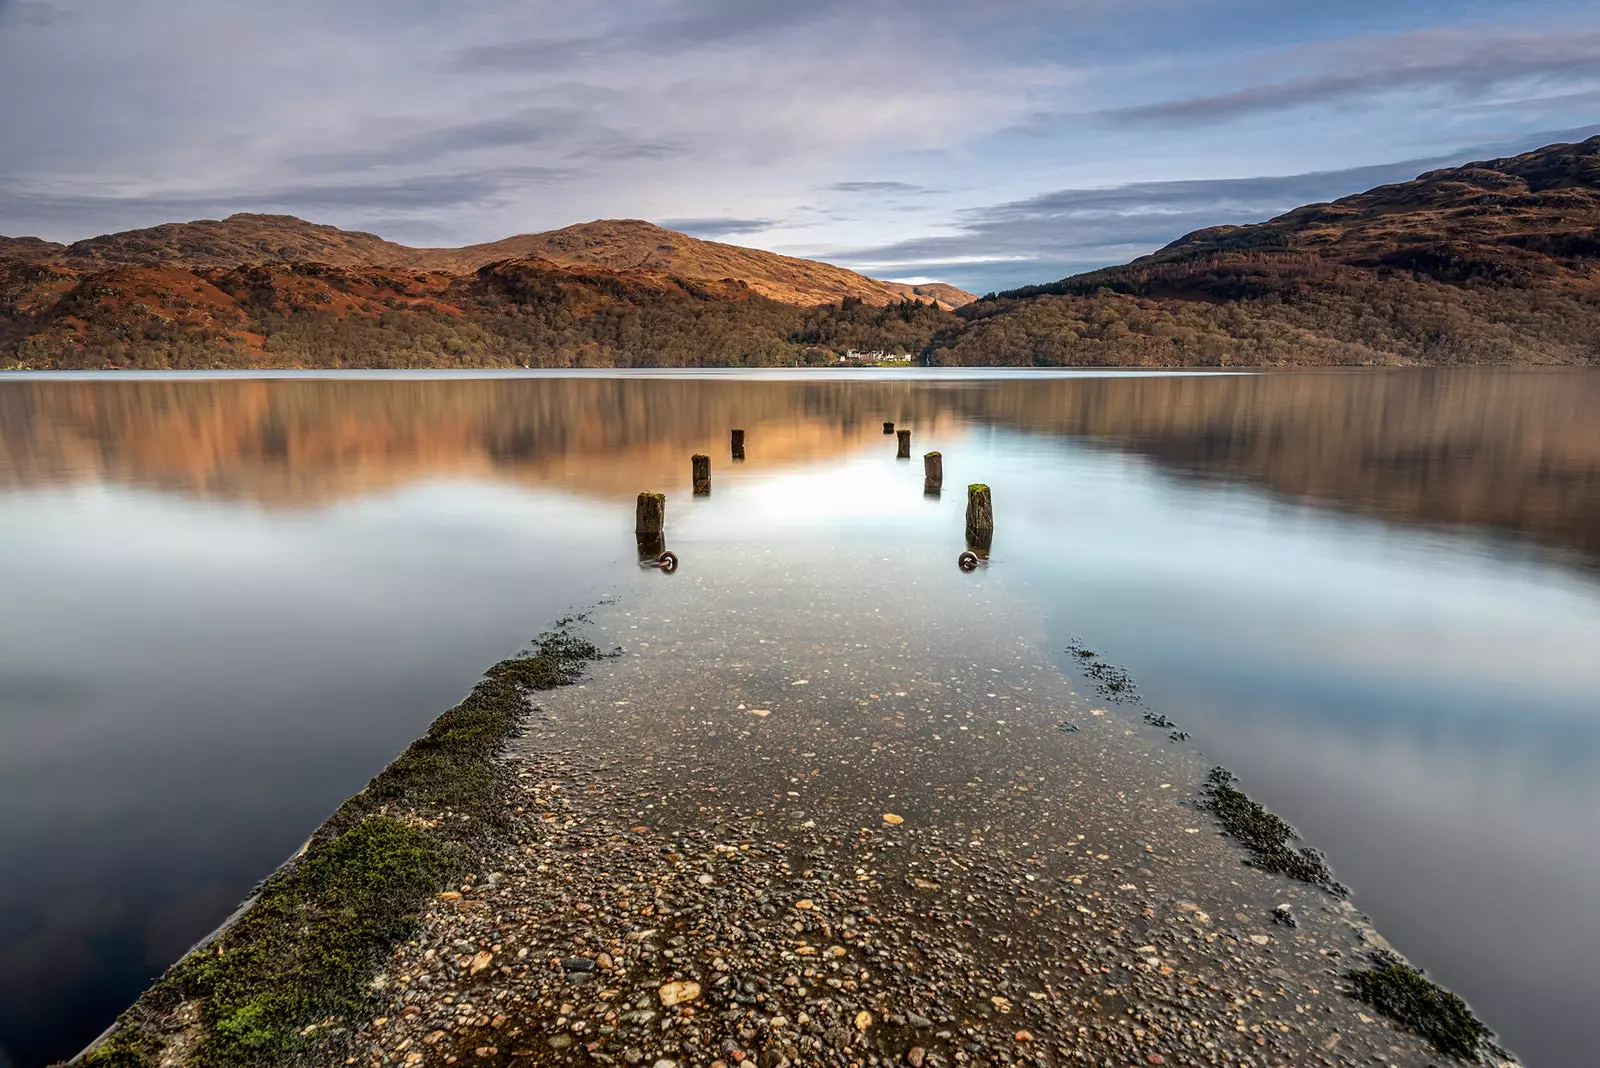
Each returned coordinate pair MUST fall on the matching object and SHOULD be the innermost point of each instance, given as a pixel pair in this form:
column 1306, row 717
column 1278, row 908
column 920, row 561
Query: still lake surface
column 227, row 602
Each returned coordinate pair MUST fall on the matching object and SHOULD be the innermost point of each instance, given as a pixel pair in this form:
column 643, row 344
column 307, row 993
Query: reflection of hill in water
column 1517, row 450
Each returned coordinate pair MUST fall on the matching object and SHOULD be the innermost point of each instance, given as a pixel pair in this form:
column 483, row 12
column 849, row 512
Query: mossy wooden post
column 738, row 444
column 888, row 428
column 700, row 467
column 651, row 516
column 932, row 473
column 904, row 438
column 980, row 518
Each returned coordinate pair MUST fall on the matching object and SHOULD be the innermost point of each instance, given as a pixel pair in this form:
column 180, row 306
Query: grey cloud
column 532, row 126
column 878, row 187
column 1470, row 64
column 88, row 211
column 715, row 228
column 34, row 12
column 708, row 23
column 559, row 132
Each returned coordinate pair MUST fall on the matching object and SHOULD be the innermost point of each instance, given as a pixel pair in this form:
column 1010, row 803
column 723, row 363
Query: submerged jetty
column 693, row 830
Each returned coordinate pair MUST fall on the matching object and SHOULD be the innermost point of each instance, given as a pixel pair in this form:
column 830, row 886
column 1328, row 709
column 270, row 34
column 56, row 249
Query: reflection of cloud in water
column 1310, row 594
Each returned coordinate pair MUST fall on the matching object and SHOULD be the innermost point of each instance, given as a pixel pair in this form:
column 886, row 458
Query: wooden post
column 651, row 546
column 980, row 516
column 932, row 473
column 651, row 516
column 738, row 445
column 700, row 468
column 904, row 451
column 888, row 428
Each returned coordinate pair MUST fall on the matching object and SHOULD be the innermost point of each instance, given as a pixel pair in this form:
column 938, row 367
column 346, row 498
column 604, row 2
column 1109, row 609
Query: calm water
column 1375, row 596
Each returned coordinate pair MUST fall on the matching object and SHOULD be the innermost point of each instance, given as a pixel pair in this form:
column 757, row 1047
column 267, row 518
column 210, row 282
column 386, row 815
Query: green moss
column 977, row 487
column 127, row 1047
column 1410, row 998
column 1266, row 834
column 281, row 985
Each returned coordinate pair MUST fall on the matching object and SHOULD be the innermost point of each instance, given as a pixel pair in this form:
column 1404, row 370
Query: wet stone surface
column 842, row 833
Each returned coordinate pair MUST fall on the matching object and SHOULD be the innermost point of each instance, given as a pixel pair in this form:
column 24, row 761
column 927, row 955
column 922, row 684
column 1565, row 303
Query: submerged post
column 651, row 515
column 904, row 451
column 738, row 444
column 932, row 473
column 980, row 517
column 888, row 428
column 700, row 468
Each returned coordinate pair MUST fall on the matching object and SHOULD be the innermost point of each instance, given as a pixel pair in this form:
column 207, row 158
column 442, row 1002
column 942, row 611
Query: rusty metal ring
column 668, row 562
column 967, row 561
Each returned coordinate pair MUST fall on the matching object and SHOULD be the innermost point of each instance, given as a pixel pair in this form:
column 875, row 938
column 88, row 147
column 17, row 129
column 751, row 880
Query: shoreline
column 302, row 947
column 574, row 775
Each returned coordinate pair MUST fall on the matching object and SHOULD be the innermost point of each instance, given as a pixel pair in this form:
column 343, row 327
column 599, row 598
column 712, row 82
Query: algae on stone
column 1410, row 998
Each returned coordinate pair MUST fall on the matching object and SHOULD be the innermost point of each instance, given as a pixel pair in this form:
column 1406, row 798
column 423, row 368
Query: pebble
column 677, row 992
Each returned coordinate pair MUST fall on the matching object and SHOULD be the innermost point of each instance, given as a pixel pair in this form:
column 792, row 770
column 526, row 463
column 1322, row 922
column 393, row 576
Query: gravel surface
column 797, row 826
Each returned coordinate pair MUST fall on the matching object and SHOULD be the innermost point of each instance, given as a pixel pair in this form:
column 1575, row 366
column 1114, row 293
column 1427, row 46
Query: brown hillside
column 237, row 241
column 509, row 313
column 249, row 239
column 1505, row 222
column 29, row 249
column 1494, row 262
column 622, row 244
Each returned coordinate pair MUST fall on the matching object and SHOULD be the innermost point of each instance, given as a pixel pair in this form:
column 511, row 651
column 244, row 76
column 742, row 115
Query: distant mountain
column 1492, row 262
column 619, row 244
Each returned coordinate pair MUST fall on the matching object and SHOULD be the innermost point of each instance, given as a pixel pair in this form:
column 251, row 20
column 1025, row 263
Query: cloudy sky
column 988, row 144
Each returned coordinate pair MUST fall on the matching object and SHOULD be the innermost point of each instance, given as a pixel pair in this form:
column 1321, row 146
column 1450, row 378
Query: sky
column 988, row 144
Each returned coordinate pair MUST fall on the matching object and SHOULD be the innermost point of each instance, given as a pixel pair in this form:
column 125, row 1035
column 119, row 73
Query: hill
column 249, row 239
column 621, row 244
column 509, row 313
column 29, row 249
column 1493, row 262
column 238, row 240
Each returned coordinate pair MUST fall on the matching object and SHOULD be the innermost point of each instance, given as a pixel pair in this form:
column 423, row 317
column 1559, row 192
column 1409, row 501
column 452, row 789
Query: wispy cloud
column 902, row 188
column 1466, row 63
column 714, row 228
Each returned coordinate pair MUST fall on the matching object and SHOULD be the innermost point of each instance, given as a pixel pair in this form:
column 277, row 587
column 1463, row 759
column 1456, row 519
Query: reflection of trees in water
column 1517, row 450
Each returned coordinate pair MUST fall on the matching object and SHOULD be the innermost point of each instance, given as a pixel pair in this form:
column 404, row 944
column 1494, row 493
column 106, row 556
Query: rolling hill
column 1493, row 262
column 614, row 244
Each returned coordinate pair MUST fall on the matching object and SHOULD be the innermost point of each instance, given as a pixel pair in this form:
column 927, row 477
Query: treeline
column 509, row 315
column 1223, row 309
column 1255, row 309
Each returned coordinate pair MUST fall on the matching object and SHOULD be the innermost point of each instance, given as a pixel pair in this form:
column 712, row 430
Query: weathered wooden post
column 980, row 518
column 888, row 428
column 651, row 515
column 932, row 473
column 649, row 525
column 904, row 451
column 738, row 445
column 700, row 468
